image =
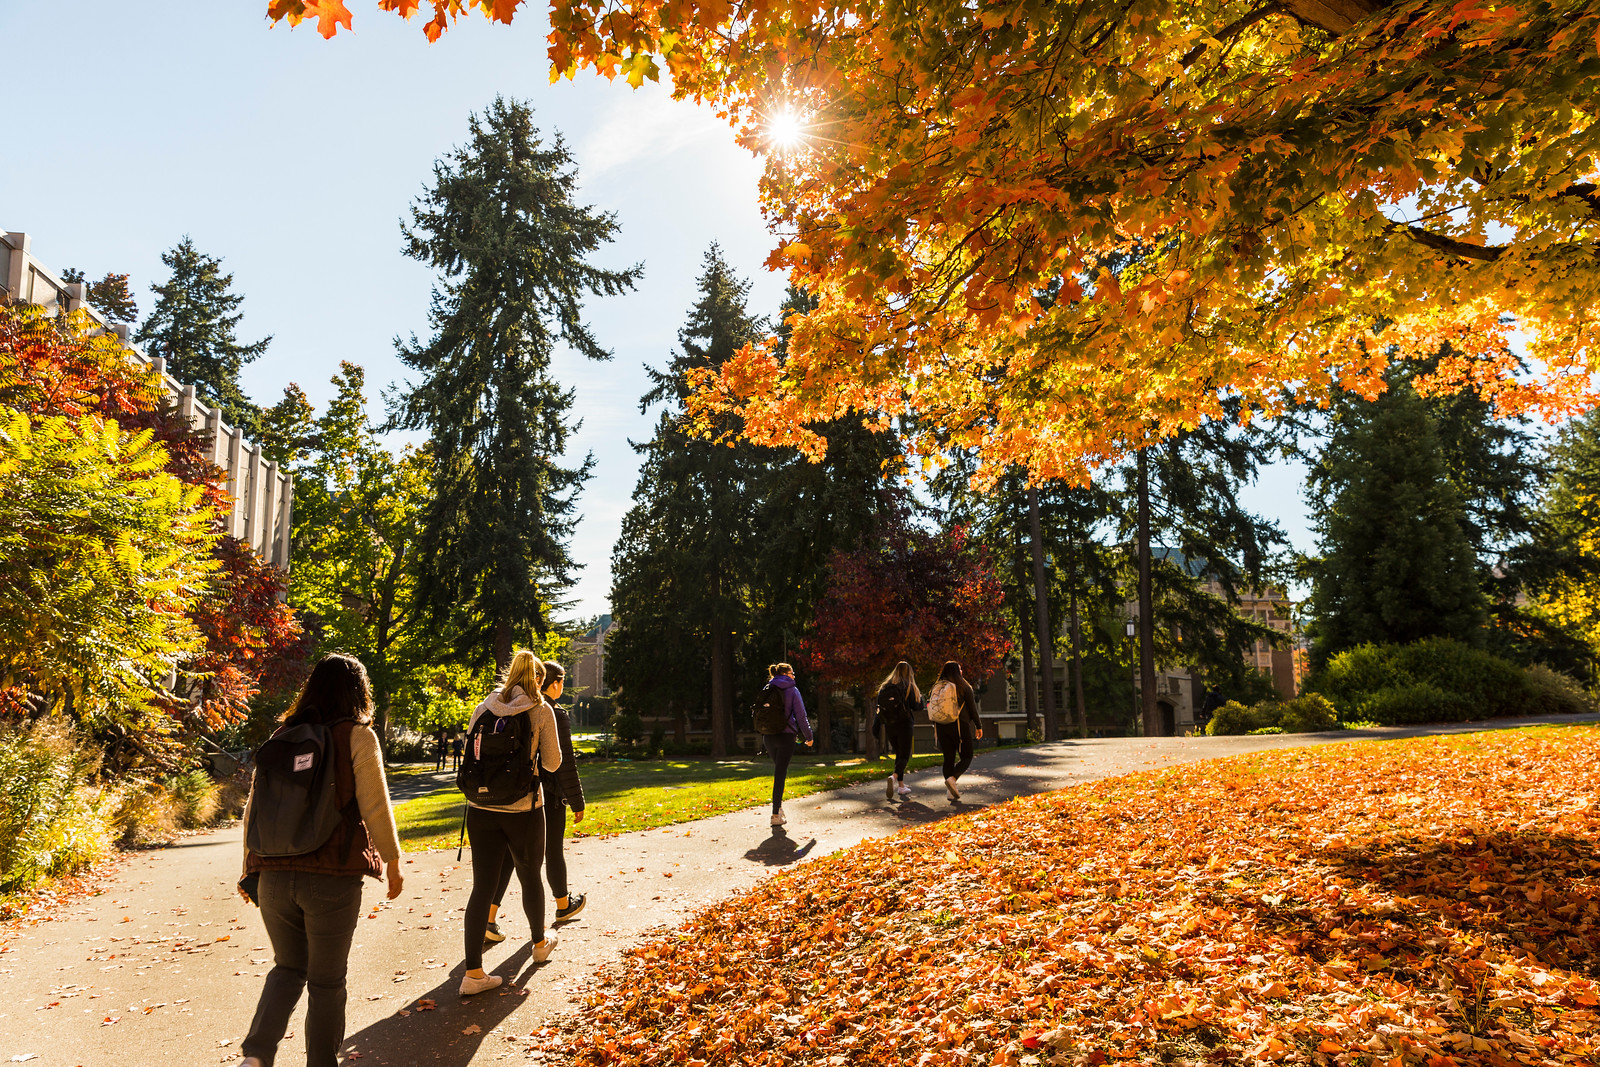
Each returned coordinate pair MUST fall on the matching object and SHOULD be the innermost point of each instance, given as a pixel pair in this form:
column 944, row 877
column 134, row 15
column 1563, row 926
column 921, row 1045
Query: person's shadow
column 449, row 1034
column 779, row 850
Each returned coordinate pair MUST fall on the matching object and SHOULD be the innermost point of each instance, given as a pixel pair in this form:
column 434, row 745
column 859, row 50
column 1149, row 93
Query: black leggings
column 898, row 735
column 781, row 746
column 955, row 741
column 493, row 835
column 555, row 857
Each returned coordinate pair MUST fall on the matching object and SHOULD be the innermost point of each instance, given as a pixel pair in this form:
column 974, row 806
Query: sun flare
column 785, row 131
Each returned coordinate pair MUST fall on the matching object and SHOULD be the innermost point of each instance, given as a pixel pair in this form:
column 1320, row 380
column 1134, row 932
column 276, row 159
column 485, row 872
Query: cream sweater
column 545, row 743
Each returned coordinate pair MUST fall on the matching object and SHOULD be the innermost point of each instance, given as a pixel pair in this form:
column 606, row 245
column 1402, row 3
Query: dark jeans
column 781, row 747
column 555, row 857
column 498, row 836
column 310, row 919
column 898, row 736
column 955, row 741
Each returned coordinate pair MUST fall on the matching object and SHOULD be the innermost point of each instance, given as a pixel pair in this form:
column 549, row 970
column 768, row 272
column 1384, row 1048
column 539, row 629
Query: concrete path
column 165, row 966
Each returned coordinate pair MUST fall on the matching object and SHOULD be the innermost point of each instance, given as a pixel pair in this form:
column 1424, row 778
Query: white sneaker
column 779, row 818
column 950, row 787
column 903, row 789
column 471, row 985
column 542, row 950
column 888, row 790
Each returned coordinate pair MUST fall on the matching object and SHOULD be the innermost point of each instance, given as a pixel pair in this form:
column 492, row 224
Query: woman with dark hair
column 561, row 788
column 310, row 902
column 780, row 679
column 898, row 700
column 954, row 712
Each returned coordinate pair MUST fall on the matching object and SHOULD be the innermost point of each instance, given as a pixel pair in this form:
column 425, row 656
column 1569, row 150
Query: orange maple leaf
column 330, row 15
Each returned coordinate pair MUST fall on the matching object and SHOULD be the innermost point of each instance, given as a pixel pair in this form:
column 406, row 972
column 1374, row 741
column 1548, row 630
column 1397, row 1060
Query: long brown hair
column 337, row 689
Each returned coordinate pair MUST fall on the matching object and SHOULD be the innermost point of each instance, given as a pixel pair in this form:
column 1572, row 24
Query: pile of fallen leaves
column 1434, row 901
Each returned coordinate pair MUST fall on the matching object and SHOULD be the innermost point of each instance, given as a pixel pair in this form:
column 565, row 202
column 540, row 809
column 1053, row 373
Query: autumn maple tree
column 917, row 595
column 1058, row 230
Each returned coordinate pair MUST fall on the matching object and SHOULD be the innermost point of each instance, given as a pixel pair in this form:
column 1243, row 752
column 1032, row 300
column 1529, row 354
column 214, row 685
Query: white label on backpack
column 303, row 761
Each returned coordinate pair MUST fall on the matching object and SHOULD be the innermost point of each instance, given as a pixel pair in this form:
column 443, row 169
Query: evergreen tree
column 683, row 567
column 502, row 225
column 1395, row 563
column 193, row 327
column 1561, row 562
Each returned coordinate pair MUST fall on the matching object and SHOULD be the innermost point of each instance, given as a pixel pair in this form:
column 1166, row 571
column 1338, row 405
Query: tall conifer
column 1395, row 562
column 193, row 328
column 503, row 228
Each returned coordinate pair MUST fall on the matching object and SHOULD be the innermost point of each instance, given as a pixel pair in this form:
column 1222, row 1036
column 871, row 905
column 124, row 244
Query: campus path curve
column 164, row 966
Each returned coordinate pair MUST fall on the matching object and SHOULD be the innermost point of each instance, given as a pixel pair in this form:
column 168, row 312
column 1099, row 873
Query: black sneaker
column 492, row 934
column 574, row 905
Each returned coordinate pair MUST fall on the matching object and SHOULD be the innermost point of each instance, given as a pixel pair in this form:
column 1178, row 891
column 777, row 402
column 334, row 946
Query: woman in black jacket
column 562, row 787
column 956, row 739
column 898, row 700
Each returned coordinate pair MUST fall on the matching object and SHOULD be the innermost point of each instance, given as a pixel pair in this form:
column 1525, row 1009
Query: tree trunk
column 870, row 711
column 824, row 730
column 1153, row 726
column 680, row 722
column 817, row 705
column 1041, row 607
column 857, row 715
column 502, row 644
column 721, row 690
column 1077, row 667
column 1030, row 695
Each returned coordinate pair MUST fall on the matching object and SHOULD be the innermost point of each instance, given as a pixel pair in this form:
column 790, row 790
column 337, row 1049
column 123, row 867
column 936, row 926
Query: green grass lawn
column 624, row 795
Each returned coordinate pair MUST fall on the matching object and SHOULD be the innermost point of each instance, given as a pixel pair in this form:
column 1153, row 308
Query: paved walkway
column 164, row 967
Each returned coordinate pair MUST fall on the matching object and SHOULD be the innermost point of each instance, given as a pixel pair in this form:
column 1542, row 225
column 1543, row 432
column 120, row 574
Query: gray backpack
column 294, row 803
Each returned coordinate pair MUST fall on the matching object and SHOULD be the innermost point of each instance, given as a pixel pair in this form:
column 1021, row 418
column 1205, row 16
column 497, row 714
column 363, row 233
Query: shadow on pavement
column 779, row 850
column 445, row 1036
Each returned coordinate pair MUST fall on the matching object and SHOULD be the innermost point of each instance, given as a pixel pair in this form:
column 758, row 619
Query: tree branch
column 1335, row 16
column 1451, row 246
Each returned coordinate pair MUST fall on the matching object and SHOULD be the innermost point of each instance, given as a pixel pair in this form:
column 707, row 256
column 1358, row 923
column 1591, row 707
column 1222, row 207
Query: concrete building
column 263, row 496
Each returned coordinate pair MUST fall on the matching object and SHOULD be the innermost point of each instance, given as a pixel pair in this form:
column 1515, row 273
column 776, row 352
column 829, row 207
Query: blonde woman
column 509, row 735
column 899, row 700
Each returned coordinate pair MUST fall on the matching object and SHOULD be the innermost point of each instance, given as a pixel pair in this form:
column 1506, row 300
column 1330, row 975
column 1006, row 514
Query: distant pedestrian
column 322, row 762
column 509, row 735
column 954, row 712
column 898, row 701
column 561, row 789
column 438, row 749
column 780, row 717
column 456, row 745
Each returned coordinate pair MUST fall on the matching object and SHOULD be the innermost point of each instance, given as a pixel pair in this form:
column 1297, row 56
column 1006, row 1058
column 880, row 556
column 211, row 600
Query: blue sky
column 293, row 158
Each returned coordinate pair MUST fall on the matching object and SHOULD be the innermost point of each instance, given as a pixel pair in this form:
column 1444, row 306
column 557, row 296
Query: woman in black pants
column 956, row 739
column 780, row 676
column 898, row 701
column 517, row 827
column 560, row 789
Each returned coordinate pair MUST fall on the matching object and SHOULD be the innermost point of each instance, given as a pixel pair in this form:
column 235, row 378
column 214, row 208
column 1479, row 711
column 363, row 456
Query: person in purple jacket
column 781, row 676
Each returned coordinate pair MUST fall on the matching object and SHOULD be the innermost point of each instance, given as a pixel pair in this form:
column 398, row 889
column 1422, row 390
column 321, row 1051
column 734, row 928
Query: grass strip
column 623, row 796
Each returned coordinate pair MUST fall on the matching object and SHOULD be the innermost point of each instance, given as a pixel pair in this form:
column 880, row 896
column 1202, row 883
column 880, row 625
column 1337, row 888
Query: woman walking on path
column 781, row 744
column 561, row 789
column 898, row 700
column 310, row 903
column 515, row 826
column 954, row 711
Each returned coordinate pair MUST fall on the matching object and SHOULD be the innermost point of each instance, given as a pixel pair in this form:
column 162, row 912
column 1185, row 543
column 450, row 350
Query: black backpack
column 294, row 803
column 893, row 704
column 497, row 768
column 768, row 711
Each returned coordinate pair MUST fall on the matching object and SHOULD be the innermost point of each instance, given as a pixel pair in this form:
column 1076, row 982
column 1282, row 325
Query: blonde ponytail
column 525, row 673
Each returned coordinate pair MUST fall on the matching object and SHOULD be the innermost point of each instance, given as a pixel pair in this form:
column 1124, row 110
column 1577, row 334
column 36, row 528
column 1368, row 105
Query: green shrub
column 1309, row 713
column 1440, row 680
column 1553, row 693
column 1234, row 718
column 628, row 726
column 144, row 813
column 1266, row 730
column 194, row 797
column 1417, row 703
column 52, row 820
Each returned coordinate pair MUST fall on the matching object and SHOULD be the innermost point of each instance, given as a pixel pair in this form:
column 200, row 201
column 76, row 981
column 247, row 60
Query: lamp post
column 1138, row 720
